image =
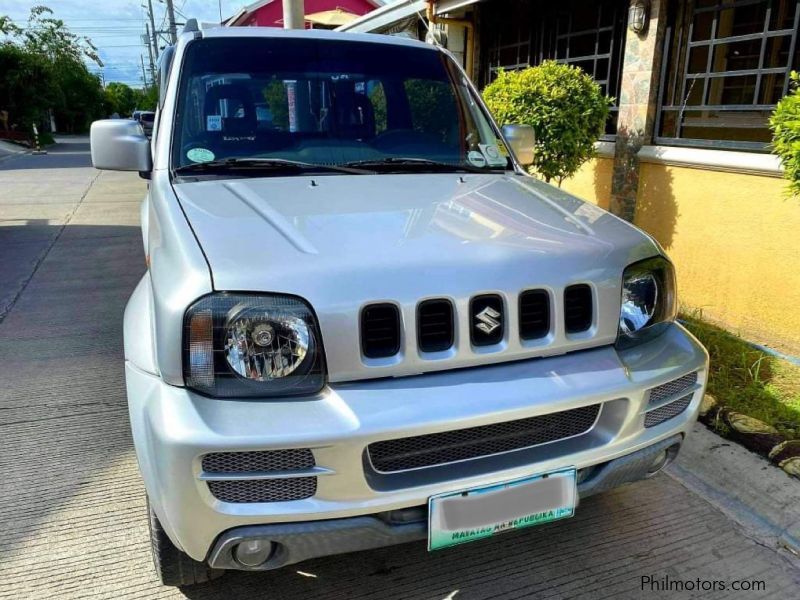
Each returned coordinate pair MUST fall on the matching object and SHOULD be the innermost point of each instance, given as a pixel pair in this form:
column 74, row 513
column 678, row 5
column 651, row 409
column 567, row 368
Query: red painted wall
column 271, row 15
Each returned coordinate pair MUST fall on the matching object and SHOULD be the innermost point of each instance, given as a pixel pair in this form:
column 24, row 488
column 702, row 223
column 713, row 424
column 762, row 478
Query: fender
column 138, row 328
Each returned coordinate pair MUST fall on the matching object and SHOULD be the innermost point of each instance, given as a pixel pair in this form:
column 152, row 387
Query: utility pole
column 150, row 53
column 153, row 38
column 144, row 74
column 293, row 14
column 173, row 32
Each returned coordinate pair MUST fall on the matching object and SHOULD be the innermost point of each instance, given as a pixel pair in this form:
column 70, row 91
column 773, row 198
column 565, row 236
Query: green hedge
column 785, row 125
column 562, row 103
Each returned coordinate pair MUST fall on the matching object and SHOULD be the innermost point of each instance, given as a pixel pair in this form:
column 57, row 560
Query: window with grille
column 587, row 34
column 726, row 64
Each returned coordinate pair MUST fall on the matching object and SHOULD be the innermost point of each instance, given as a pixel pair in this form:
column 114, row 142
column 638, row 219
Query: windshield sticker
column 501, row 148
column 476, row 159
column 214, row 123
column 492, row 154
column 200, row 155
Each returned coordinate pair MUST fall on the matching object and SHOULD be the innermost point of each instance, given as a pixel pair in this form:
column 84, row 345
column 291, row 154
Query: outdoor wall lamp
column 638, row 16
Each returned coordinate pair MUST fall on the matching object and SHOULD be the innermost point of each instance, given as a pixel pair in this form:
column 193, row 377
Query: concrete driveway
column 72, row 512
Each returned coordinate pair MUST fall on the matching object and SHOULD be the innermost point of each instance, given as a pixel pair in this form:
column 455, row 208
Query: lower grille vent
column 263, row 490
column 260, row 463
column 671, row 388
column 476, row 442
column 666, row 412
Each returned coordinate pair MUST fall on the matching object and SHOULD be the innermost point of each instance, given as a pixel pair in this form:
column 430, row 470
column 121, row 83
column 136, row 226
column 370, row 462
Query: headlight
column 649, row 301
column 238, row 345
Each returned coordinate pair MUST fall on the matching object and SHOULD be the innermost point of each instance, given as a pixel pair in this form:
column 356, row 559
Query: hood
column 341, row 242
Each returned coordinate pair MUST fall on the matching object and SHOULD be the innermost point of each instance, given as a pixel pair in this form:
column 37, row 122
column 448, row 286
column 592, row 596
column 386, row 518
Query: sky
column 116, row 27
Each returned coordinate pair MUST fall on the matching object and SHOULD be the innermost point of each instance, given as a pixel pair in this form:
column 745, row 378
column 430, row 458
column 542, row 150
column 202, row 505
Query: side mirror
column 521, row 139
column 120, row 145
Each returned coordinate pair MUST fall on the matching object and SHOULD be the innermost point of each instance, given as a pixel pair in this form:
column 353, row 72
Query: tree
column 27, row 86
column 44, row 34
column 147, row 98
column 44, row 69
column 122, row 99
column 82, row 98
column 564, row 105
column 785, row 125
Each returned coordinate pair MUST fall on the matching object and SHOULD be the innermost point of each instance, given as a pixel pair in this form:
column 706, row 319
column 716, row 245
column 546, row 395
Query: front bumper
column 173, row 427
column 296, row 542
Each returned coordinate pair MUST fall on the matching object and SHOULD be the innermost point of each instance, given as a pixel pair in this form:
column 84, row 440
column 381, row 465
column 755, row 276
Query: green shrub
column 562, row 103
column 785, row 125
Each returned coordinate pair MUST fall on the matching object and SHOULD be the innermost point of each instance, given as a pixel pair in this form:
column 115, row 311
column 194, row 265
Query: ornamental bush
column 562, row 103
column 785, row 125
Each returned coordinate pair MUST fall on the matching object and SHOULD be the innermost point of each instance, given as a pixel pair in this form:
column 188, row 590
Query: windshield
column 328, row 102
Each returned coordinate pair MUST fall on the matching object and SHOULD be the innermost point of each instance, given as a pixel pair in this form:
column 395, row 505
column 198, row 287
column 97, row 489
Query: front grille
column 476, row 442
column 263, row 490
column 671, row 388
column 258, row 461
column 435, row 325
column 577, row 308
column 666, row 412
column 380, row 330
column 534, row 314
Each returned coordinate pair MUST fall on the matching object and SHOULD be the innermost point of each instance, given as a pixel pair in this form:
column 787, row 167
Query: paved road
column 72, row 507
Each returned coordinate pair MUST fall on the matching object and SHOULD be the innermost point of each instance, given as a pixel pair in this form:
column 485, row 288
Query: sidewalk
column 759, row 496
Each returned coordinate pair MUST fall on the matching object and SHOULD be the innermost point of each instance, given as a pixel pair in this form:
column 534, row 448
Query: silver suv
column 362, row 323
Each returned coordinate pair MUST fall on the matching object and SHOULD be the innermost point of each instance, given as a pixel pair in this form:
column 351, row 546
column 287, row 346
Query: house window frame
column 542, row 46
column 681, row 24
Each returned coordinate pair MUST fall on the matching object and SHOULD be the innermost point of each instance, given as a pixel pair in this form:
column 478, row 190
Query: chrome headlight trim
column 649, row 301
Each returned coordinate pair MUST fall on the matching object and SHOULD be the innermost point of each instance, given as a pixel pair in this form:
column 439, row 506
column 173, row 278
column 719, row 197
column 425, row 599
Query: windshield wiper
column 398, row 163
column 263, row 165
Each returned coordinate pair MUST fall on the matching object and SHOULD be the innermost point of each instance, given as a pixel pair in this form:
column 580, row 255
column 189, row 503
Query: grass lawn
column 748, row 380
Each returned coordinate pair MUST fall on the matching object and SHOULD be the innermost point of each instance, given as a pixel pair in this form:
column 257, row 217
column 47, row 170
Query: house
column 319, row 13
column 686, row 153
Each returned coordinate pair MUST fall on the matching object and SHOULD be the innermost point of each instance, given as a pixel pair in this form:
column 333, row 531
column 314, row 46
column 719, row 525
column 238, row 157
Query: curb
column 741, row 484
column 740, row 512
column 755, row 435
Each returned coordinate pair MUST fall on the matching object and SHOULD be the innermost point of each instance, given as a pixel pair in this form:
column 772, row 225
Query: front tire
column 173, row 566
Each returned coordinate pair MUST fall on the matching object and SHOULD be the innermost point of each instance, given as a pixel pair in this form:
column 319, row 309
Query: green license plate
column 458, row 517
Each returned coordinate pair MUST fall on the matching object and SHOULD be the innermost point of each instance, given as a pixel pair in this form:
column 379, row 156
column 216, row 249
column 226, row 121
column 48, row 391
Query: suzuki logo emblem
column 487, row 320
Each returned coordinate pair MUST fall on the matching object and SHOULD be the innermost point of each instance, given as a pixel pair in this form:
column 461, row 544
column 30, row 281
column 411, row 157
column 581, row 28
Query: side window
column 432, row 106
